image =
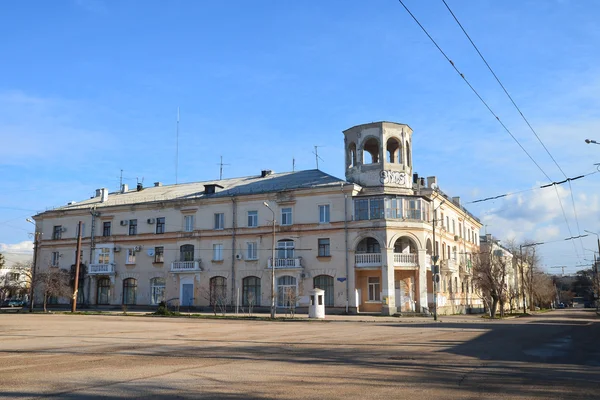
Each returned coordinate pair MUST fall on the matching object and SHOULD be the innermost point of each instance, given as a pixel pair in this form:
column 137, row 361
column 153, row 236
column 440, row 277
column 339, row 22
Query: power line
column 526, row 121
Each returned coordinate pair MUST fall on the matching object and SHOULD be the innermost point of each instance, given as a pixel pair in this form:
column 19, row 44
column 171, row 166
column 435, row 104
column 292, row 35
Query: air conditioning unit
column 456, row 238
column 137, row 248
column 117, row 249
column 124, row 222
column 239, row 256
column 151, row 220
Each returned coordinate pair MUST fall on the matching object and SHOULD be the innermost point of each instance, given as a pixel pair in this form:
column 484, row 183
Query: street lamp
column 33, row 267
column 596, row 276
column 272, row 264
column 435, row 269
column 590, row 141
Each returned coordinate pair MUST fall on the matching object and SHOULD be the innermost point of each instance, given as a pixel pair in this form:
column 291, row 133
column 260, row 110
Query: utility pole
column 435, row 271
column 531, row 306
column 36, row 244
column 76, row 283
column 522, row 279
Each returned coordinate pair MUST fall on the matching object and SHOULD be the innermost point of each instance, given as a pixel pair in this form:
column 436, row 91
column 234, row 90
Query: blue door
column 187, row 294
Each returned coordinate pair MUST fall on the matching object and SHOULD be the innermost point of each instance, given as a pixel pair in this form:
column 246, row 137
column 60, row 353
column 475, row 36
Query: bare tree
column 54, row 282
column 290, row 298
column 489, row 275
column 251, row 299
column 17, row 280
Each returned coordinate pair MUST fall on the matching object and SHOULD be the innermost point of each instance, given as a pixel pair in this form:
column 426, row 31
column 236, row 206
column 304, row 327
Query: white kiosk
column 316, row 305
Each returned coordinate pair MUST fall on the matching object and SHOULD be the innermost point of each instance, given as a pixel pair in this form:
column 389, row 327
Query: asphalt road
column 549, row 356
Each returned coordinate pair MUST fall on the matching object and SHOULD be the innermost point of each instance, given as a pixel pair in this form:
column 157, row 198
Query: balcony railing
column 286, row 263
column 185, row 266
column 449, row 265
column 406, row 260
column 367, row 260
column 96, row 269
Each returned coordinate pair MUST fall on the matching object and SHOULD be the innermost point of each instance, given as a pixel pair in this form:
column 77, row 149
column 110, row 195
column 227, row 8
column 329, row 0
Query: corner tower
column 379, row 156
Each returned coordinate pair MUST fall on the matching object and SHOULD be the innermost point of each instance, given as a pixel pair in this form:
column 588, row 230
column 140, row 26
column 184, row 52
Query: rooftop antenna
column 177, row 150
column 317, row 158
column 293, row 164
column 121, row 180
column 221, row 168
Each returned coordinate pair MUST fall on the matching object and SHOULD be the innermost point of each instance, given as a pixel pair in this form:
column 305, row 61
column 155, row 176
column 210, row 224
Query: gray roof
column 275, row 182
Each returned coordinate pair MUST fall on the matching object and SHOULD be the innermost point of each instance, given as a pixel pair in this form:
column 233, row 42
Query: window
column 325, row 282
column 447, row 222
column 82, row 230
column 286, row 291
column 460, row 230
column 189, row 223
column 157, row 290
column 251, row 291
column 133, row 226
column 285, row 248
column 160, row 225
column 106, row 228
column 159, row 254
column 414, row 209
column 218, row 290
column 251, row 253
column 13, row 276
column 252, row 219
column 130, row 256
column 374, row 288
column 324, row 213
column 443, row 220
column 393, row 208
column 55, row 257
column 286, row 216
column 130, row 291
column 376, row 209
column 361, row 209
column 219, row 221
column 103, row 291
column 186, row 252
column 217, row 252
column 103, row 256
column 56, row 232
column 453, row 227
column 456, row 283
column 324, row 248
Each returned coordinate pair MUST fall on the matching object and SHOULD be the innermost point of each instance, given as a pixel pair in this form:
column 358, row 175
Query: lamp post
column 33, row 267
column 435, row 268
column 590, row 141
column 595, row 270
column 272, row 263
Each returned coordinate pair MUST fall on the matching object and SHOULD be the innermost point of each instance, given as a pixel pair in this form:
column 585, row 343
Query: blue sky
column 90, row 87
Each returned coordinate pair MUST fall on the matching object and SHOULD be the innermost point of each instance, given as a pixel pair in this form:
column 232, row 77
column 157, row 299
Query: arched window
column 368, row 245
column 186, row 252
column 157, row 287
column 352, row 155
column 371, row 146
column 251, row 291
column 130, row 291
column 285, row 248
column 408, row 154
column 286, row 291
column 394, row 151
column 428, row 247
column 103, row 291
column 325, row 282
column 218, row 290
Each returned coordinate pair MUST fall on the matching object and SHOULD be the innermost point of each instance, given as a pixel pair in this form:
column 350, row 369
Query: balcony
column 465, row 268
column 449, row 266
column 406, row 260
column 366, row 260
column 101, row 269
column 283, row 263
column 186, row 266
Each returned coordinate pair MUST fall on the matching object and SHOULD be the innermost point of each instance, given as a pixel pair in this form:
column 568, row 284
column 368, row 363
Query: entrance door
column 187, row 294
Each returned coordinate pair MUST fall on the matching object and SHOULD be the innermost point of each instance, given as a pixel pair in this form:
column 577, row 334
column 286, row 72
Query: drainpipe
column 234, row 226
column 346, row 239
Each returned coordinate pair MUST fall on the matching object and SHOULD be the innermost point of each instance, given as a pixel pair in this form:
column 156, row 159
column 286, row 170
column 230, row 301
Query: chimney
column 104, row 192
column 98, row 192
column 422, row 182
column 456, row 200
column 265, row 172
column 431, row 180
column 157, row 184
column 415, row 178
column 124, row 188
column 140, row 187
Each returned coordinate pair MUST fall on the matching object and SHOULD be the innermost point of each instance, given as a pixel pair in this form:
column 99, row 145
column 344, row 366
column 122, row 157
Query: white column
column 387, row 285
column 421, row 289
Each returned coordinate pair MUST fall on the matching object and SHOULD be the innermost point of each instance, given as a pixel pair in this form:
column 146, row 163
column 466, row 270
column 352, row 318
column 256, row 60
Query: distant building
column 367, row 240
column 14, row 281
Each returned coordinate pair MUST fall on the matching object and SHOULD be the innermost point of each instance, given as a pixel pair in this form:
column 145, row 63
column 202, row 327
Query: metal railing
column 286, row 263
column 101, row 269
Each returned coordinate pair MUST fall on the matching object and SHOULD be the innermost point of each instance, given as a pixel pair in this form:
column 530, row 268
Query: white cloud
column 24, row 247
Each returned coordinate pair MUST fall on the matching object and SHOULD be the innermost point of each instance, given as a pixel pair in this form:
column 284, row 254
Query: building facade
column 367, row 240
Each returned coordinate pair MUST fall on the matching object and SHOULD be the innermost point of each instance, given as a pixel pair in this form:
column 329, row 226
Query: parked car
column 16, row 303
column 561, row 305
column 588, row 304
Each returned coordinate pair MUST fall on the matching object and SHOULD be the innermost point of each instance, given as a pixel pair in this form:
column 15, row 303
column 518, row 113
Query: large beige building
column 366, row 240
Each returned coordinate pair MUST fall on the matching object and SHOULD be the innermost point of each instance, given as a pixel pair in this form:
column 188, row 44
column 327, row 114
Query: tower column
column 388, row 287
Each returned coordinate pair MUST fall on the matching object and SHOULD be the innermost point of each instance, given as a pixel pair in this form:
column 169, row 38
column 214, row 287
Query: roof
column 275, row 182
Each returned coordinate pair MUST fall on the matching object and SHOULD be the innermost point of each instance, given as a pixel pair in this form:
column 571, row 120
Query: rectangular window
column 453, row 227
column 393, row 208
column 376, row 209
column 159, row 254
column 251, row 253
column 106, row 228
column 374, row 289
column 130, row 256
column 133, row 226
column 56, row 232
column 189, row 223
column 286, row 216
column 324, row 248
column 104, row 256
column 219, row 221
column 82, row 230
column 55, row 257
column 252, row 219
column 414, row 209
column 160, row 225
column 324, row 213
column 217, row 252
column 361, row 209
